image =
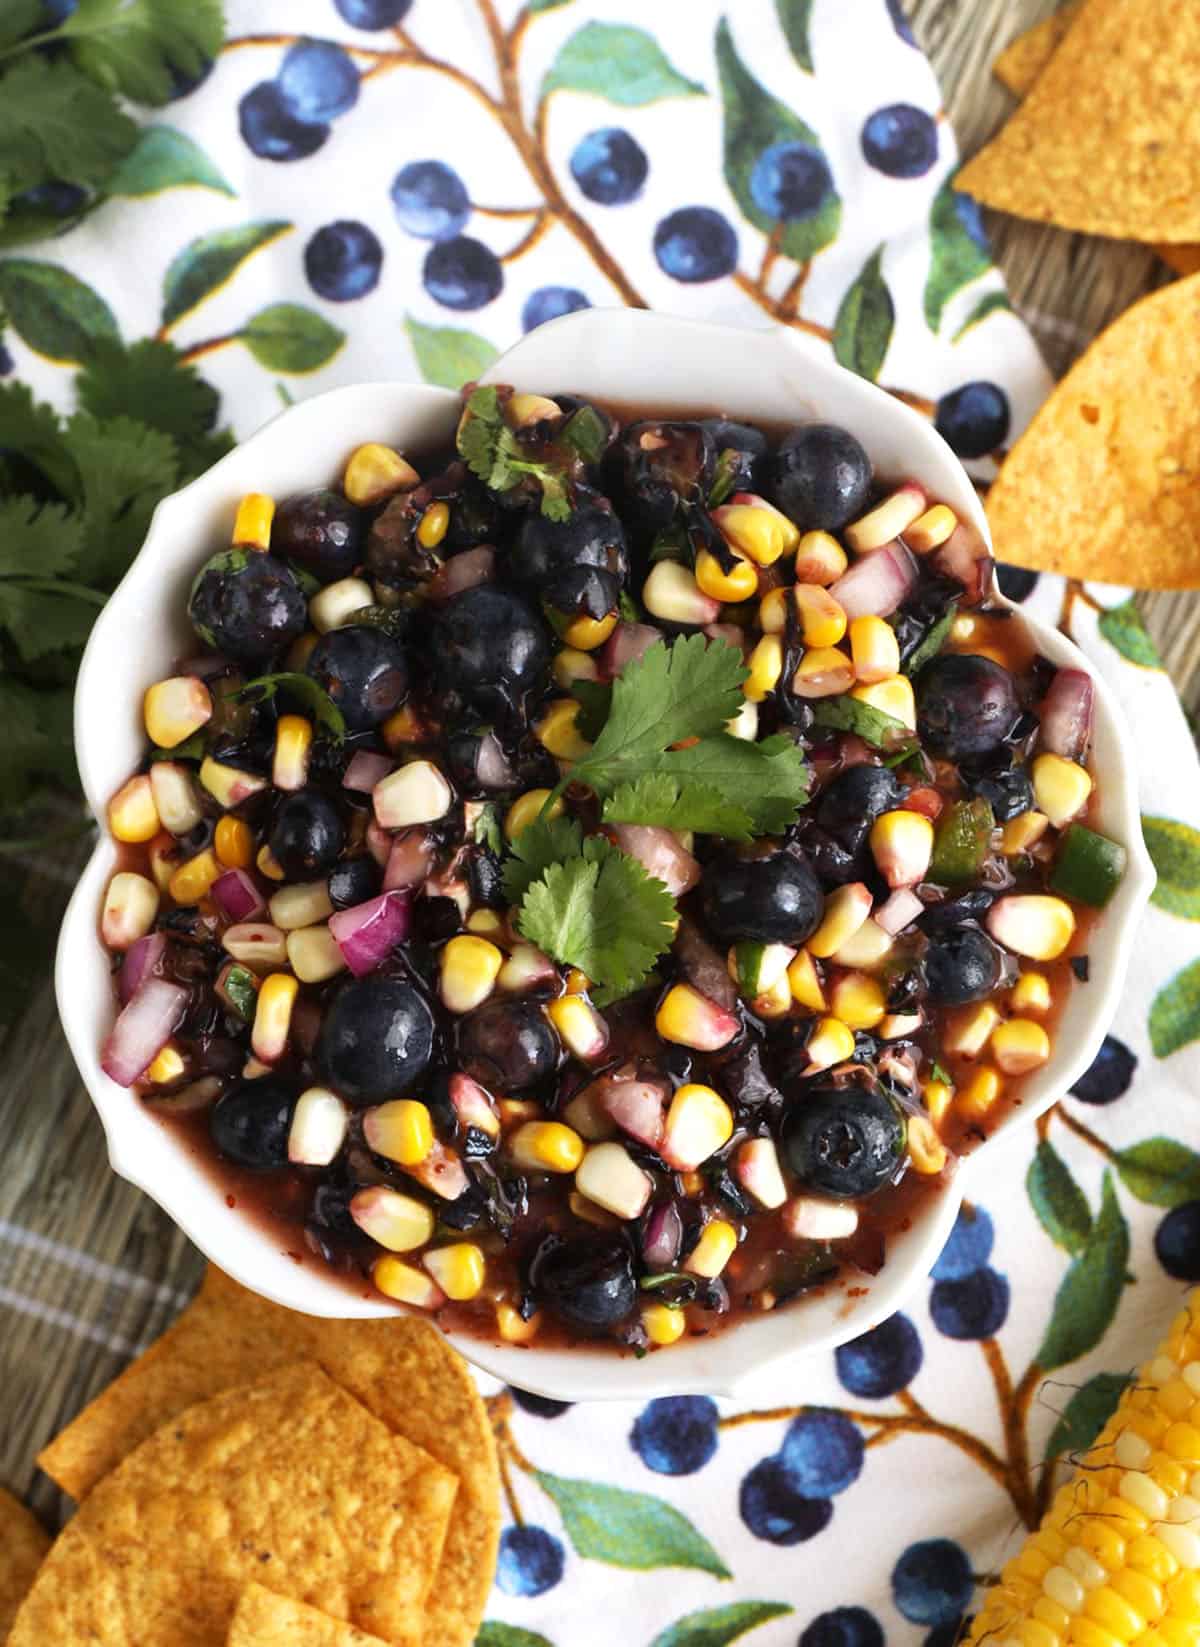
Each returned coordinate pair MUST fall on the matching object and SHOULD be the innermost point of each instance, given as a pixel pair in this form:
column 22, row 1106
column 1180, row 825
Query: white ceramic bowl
column 620, row 355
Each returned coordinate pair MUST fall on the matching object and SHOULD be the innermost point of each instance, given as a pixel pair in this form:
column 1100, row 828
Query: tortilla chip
column 264, row 1619
column 401, row 1369
column 23, row 1544
column 1024, row 58
column 1105, row 482
column 1107, row 140
column 290, row 1476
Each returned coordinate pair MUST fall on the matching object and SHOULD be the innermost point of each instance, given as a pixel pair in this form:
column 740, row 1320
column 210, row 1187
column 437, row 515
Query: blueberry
column 774, row 1509
column 961, row 965
column 250, row 1124
column 530, row 1561
column 823, row 1451
column 843, row 1627
column 1110, row 1074
column 363, row 670
column 881, row 1361
column 540, row 1405
column 966, row 705
column 1017, row 582
column 321, row 530
column 373, row 14
column 271, row 131
column 462, row 273
column 820, row 477
column 376, row 1039
column 317, row 81
column 765, row 900
column 932, row 1582
column 246, row 604
column 851, row 802
column 791, row 181
column 549, row 302
column 343, row 260
column 508, row 1046
column 1177, row 1242
column 490, row 647
column 975, row 1307
column 696, row 243
column 846, row 1142
column 968, row 1246
column 975, row 419
column 660, row 465
column 900, row 141
column 431, row 200
column 355, row 882
column 586, row 1280
column 307, row 836
column 900, row 21
column 676, row 1435
column 591, row 535
column 609, row 166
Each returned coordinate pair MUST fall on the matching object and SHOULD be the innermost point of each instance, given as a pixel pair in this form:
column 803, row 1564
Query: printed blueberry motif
column 900, row 141
column 791, row 181
column 823, row 1452
column 462, row 273
column 530, row 1561
column 6, row 361
column 271, row 131
column 968, row 1246
column 610, row 166
column 317, row 81
column 902, row 25
column 540, row 1405
column 1110, row 1074
column 1177, row 1242
column 1017, row 582
column 774, row 1509
column 881, row 1361
column 343, row 260
column 53, row 199
column 695, row 244
column 549, row 302
column 975, row 419
column 431, row 200
column 676, row 1434
column 55, row 12
column 966, row 209
column 975, row 1307
column 932, row 1583
column 844, row 1627
column 183, row 85
column 373, row 14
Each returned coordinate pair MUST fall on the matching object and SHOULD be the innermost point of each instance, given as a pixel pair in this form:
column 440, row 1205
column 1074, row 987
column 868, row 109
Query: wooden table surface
column 113, row 1265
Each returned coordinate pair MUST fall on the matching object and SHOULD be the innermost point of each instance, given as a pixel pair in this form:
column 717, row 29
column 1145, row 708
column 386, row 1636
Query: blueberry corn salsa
column 591, row 882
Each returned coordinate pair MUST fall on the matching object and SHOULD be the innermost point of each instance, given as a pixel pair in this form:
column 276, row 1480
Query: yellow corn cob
column 1117, row 1556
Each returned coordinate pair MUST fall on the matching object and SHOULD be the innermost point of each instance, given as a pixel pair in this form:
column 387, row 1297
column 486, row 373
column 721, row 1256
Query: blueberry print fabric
column 400, row 188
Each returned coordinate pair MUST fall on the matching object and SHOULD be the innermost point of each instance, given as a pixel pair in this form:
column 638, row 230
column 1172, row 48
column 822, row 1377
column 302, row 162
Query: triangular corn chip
column 23, row 1543
column 264, row 1619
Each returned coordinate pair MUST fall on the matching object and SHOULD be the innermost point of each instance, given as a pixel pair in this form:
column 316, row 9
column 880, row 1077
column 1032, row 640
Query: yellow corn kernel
column 830, row 1042
column 925, row 1149
column 581, row 1029
column 892, row 697
column 823, row 672
column 899, row 1026
column 663, row 1325
column 758, row 530
column 1022, row 832
column 406, row 1284
column 273, row 1016
column 887, row 520
column 765, row 664
column 716, row 1246
column 698, row 1123
column 1033, row 1633
column 523, row 410
column 937, row 1096
column 132, row 814
column 130, row 905
column 970, row 1029
column 512, row 1328
column 229, row 785
column 930, row 530
column 1030, row 993
column 1182, row 1441
column 293, row 741
column 558, row 733
column 375, row 472
column 400, row 1130
column 252, row 524
column 773, row 611
column 573, row 664
column 822, row 620
column 577, row 983
column 233, row 842
column 690, row 1019
column 404, row 726
column 874, row 649
column 526, row 809
column 1060, row 787
column 1114, row 1613
column 546, row 1146
column 736, row 584
column 805, row 983
column 585, row 634
column 820, row 558
column 902, row 846
column 514, row 1111
column 194, row 879
column 1085, row 1632
column 470, row 967
column 167, row 1067
column 268, row 865
column 858, row 1000
column 979, row 1094
column 846, row 908
column 488, row 923
column 435, row 523
column 459, row 1270
column 175, row 708
column 1020, row 1045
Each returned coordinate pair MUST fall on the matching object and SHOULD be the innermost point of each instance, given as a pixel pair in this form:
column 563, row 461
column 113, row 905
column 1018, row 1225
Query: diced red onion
column 408, row 861
column 853, row 751
column 964, row 557
column 366, row 769
column 899, row 911
column 636, row 1106
column 1066, row 714
column 142, row 1030
column 703, row 966
column 379, row 843
column 663, row 1236
column 660, row 854
column 237, row 897
column 142, row 960
column 493, row 770
column 367, row 933
column 627, row 642
column 463, row 571
column 731, row 633
column 877, row 583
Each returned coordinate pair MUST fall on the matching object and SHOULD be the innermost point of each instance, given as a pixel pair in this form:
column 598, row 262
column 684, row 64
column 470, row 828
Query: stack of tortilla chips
column 261, row 1477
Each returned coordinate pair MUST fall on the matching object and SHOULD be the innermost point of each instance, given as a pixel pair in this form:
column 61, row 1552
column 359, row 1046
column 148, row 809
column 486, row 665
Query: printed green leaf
column 717, row 1626
column 754, row 121
column 492, row 1633
column 166, row 159
column 1060, row 1204
column 865, row 319
column 54, row 123
column 205, row 264
column 1175, row 850
column 1123, row 628
column 1087, row 1300
column 1086, row 1414
column 960, row 250
column 795, row 17
column 52, row 310
column 1175, row 1012
column 627, row 1529
column 623, row 64
column 448, row 355
column 989, row 304
column 536, row 6
column 1161, row 1171
column 286, row 337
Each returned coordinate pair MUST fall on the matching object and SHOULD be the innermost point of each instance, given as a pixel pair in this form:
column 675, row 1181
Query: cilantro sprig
column 303, row 688
column 492, row 451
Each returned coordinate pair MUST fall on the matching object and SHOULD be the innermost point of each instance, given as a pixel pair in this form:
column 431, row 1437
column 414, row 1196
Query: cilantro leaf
column 486, row 831
column 309, row 692
column 595, row 701
column 544, row 842
column 37, row 539
column 54, row 123
column 769, row 779
column 39, row 622
column 600, row 912
column 670, row 802
column 586, row 433
column 124, row 469
column 32, row 431
column 847, row 714
column 136, row 47
column 19, row 18
column 492, row 451
column 932, row 644
column 151, row 380
column 37, row 737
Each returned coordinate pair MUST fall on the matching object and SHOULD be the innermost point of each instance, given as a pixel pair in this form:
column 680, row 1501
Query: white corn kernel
column 846, row 909
column 418, row 793
column 672, row 593
column 1132, row 1451
column 581, row 1029
column 525, row 968
column 698, row 1123
column 255, row 944
column 610, row 1177
column 1137, row 1488
column 1032, row 924
column 1086, row 1568
column 173, row 709
column 809, row 1218
column 756, row 1168
column 887, row 520
column 864, row 948
column 902, row 846
column 590, row 1120
column 1061, row 1585
column 319, row 1124
column 898, row 1026
column 305, row 903
column 175, row 798
column 130, row 905
column 1182, row 1543
column 830, row 1042
column 744, row 724
column 229, row 785
column 458, row 1269
column 470, row 967
column 336, row 604
column 396, row 1221
column 313, row 955
column 757, row 968
column 1060, row 787
column 970, row 1029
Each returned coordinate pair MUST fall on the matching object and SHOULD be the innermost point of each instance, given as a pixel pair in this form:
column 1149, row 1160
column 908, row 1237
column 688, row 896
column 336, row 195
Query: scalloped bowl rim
column 619, row 354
